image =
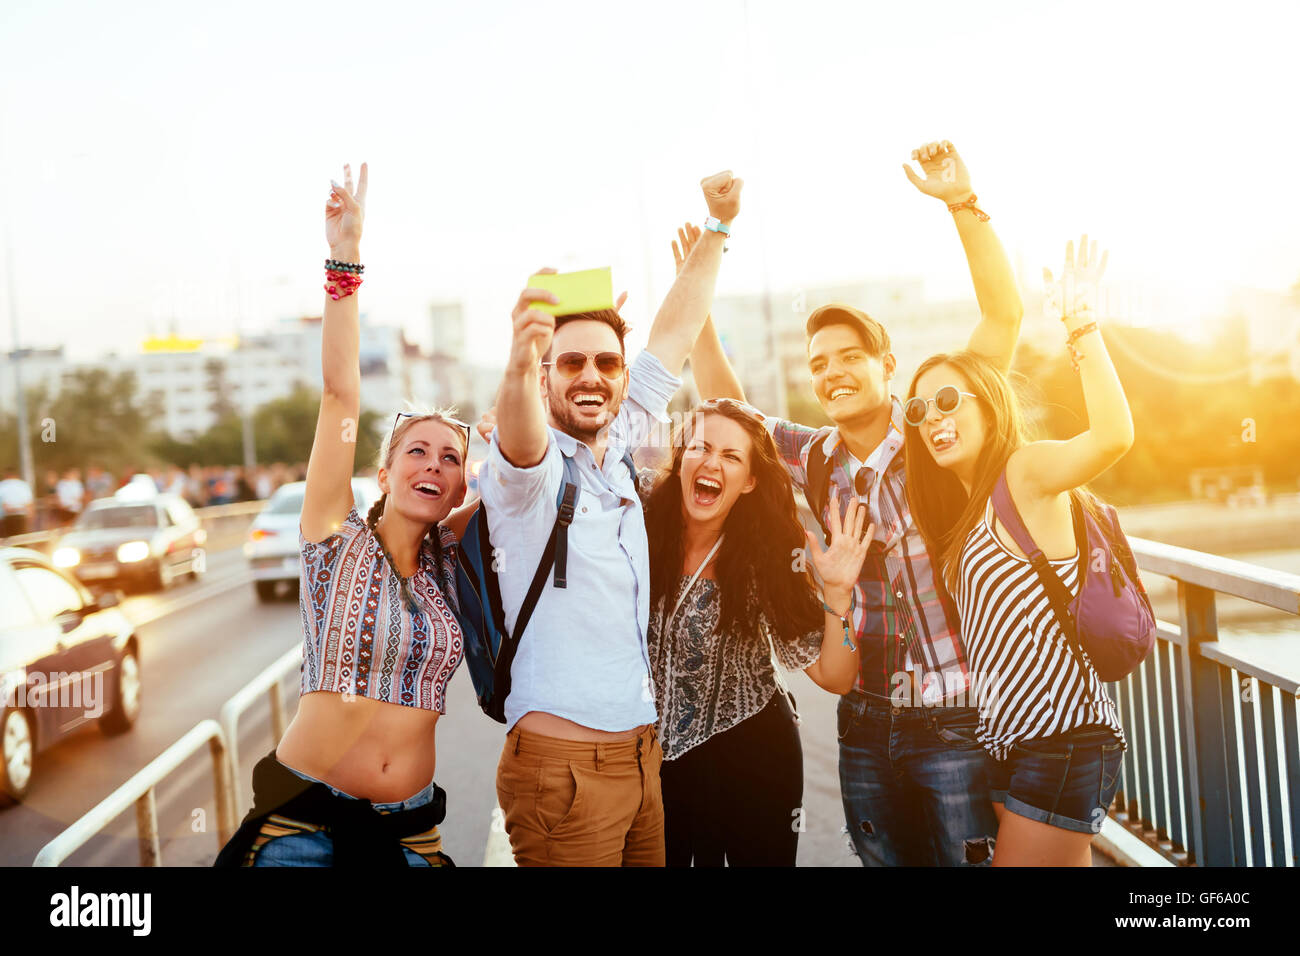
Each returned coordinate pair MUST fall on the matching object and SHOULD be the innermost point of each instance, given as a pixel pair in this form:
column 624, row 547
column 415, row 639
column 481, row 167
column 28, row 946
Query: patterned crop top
column 358, row 638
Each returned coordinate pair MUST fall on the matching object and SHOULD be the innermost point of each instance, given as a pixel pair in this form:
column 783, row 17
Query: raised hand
column 722, row 194
column 840, row 565
column 344, row 213
column 533, row 328
column 1080, row 283
column 946, row 177
column 487, row 424
column 688, row 235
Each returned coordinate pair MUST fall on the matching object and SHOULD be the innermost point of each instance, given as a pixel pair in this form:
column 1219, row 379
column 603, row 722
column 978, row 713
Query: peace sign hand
column 840, row 565
column 344, row 212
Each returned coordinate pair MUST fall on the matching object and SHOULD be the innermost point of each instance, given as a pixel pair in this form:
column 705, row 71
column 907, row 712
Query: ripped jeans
column 915, row 783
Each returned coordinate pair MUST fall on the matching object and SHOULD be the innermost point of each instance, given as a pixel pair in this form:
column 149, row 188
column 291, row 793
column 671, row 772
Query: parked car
column 130, row 540
column 272, row 545
column 67, row 657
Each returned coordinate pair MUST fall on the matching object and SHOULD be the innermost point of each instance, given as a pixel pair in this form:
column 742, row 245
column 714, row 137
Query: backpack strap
column 557, row 547
column 1005, row 510
column 818, row 489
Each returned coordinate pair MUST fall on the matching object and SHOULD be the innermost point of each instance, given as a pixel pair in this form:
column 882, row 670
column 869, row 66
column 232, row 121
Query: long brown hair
column 761, row 549
column 942, row 510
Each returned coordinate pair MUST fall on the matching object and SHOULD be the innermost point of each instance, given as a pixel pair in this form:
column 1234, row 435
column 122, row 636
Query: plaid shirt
column 904, row 619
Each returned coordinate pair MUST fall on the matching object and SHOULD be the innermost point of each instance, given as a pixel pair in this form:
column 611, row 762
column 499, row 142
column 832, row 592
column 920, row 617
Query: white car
column 272, row 545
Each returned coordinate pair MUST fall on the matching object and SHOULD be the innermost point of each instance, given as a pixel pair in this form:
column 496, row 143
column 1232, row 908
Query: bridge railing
column 139, row 790
column 1212, row 772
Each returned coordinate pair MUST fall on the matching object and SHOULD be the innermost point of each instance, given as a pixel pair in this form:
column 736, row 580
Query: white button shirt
column 583, row 655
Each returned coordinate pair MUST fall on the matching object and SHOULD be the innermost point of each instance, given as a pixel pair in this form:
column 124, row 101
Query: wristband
column 714, row 224
column 845, row 621
column 980, row 214
column 1077, row 334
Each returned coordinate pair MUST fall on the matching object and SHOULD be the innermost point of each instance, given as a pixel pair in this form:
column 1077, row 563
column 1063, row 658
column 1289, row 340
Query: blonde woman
column 351, row 783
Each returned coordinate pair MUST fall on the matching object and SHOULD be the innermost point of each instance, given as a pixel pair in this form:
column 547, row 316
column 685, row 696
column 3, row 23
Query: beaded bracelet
column 338, row 265
column 980, row 214
column 844, row 619
column 341, row 284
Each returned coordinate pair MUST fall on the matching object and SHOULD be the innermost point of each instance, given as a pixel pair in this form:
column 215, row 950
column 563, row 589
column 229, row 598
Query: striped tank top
column 1028, row 682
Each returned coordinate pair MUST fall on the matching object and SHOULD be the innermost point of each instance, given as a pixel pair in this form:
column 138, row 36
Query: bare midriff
column 367, row 748
column 549, row 725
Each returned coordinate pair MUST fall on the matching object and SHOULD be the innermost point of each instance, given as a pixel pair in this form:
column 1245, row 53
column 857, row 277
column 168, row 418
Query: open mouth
column 943, row 439
column 427, row 489
column 589, row 400
column 841, row 391
column 706, row 491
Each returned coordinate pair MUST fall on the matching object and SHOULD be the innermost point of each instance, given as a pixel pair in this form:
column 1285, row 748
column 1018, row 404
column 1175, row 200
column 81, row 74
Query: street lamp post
column 18, row 354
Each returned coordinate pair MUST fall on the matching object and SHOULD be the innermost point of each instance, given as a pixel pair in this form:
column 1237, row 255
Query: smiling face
column 582, row 406
column 850, row 383
column 425, row 478
column 715, row 469
column 954, row 440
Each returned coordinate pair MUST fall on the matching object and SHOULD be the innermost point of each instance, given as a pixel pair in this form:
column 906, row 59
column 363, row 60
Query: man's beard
column 566, row 419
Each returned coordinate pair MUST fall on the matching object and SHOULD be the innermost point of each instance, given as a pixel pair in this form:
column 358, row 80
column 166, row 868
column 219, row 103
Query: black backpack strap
column 818, row 489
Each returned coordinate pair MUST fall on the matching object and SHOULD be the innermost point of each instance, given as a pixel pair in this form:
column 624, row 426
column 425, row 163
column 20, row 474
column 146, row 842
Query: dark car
column 67, row 658
column 133, row 541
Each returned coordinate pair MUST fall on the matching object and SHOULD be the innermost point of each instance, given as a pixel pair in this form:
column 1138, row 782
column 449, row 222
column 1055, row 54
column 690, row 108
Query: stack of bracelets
column 342, row 278
column 1077, row 334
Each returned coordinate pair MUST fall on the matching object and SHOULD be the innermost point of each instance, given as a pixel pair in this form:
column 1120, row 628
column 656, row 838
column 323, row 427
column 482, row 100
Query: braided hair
column 387, row 450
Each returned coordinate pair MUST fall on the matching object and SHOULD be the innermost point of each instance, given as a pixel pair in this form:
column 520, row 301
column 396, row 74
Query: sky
column 166, row 165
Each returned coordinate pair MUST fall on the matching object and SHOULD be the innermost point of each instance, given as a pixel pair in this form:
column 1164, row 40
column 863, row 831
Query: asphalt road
column 200, row 643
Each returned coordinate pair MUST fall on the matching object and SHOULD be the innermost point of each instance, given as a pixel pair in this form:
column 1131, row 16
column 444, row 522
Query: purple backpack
column 1111, row 618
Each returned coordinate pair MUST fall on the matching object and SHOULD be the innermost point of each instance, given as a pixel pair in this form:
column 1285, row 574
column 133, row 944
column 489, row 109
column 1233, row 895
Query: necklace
column 403, row 583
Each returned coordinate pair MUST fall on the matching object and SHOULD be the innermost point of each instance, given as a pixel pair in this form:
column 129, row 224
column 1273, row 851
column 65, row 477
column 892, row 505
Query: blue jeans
column 317, row 848
column 915, row 783
column 1067, row 781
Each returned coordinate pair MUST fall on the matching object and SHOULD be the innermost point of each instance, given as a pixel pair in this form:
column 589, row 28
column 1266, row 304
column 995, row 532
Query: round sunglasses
column 947, row 400
column 571, row 364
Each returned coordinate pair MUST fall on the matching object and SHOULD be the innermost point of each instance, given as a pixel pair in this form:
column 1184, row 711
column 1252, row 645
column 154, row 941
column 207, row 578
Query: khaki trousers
column 575, row 803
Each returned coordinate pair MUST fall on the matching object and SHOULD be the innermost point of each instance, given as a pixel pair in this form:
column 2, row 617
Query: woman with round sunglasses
column 731, row 603
column 351, row 782
column 1044, row 715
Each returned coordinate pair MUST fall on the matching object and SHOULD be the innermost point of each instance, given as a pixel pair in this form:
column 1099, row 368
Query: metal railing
column 211, row 518
column 139, row 790
column 1212, row 771
column 267, row 682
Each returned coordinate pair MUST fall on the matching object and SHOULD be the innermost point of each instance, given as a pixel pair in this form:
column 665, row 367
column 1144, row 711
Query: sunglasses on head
column 747, row 410
column 571, row 364
column 463, row 426
column 947, row 400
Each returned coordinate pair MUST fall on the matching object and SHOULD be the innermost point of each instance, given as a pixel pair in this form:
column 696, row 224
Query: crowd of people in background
column 61, row 496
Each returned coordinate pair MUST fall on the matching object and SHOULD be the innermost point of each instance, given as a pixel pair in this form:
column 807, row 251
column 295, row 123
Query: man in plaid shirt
column 913, row 777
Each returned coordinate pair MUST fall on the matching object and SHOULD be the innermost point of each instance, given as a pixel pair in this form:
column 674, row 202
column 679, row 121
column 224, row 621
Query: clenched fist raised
column 722, row 193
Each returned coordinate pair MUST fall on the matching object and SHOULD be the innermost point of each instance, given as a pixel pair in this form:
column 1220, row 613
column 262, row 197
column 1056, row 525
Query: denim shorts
column 1066, row 781
column 317, row 848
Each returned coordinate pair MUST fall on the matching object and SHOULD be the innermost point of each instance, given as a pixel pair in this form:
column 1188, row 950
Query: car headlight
column 133, row 551
column 66, row 557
